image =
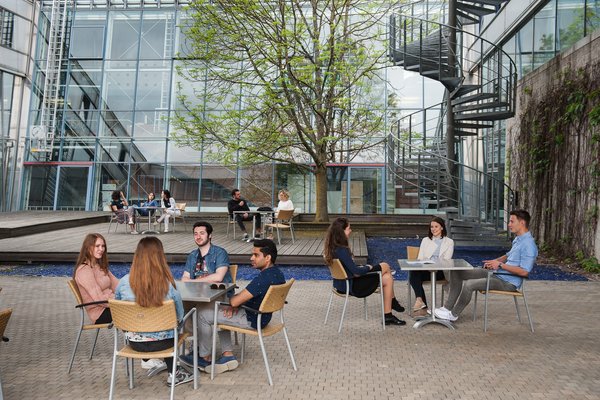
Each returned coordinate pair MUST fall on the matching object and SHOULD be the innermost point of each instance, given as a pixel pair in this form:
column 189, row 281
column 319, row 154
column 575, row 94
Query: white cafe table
column 438, row 265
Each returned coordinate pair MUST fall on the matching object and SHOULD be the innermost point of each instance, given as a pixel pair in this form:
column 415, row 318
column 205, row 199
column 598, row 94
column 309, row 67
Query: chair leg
column 366, row 309
column 278, row 236
column 528, row 313
column 475, row 306
column 74, row 350
column 343, row 312
column 94, row 345
column 214, row 343
column 292, row 233
column 409, row 295
column 517, row 307
column 264, row 353
column 289, row 346
column 382, row 305
column 114, row 368
column 485, row 311
column 243, row 346
column 328, row 307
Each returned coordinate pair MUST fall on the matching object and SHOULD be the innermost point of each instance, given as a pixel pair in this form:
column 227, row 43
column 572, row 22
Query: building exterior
column 114, row 85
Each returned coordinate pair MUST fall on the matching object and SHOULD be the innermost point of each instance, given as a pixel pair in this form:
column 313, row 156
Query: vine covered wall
column 553, row 149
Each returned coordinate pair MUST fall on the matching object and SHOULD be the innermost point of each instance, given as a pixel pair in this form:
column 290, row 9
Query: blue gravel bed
column 380, row 249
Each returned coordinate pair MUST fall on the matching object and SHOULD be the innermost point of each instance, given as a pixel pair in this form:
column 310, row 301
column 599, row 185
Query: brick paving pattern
column 561, row 360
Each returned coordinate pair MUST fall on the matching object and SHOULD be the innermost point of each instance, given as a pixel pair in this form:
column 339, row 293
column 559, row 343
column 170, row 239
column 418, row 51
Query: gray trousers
column 465, row 282
column 205, row 328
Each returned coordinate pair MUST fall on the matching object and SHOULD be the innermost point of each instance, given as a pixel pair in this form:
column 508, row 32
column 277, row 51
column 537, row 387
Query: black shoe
column 392, row 320
column 396, row 306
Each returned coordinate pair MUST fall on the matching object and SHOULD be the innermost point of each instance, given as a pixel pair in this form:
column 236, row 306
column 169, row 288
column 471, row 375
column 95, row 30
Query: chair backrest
column 4, row 317
column 180, row 206
column 274, row 300
column 285, row 215
column 233, row 268
column 75, row 290
column 130, row 316
column 337, row 270
column 412, row 252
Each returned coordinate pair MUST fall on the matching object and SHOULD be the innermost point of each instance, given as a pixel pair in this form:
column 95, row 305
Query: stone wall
column 553, row 150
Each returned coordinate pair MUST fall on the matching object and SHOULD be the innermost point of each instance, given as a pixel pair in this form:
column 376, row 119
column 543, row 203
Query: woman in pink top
column 94, row 280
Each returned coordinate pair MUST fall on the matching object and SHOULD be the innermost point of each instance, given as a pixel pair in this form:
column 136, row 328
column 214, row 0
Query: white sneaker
column 153, row 363
column 135, row 233
column 181, row 376
column 443, row 313
column 166, row 231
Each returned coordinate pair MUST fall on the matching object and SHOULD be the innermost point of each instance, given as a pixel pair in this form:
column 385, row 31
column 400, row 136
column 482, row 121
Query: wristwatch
column 500, row 265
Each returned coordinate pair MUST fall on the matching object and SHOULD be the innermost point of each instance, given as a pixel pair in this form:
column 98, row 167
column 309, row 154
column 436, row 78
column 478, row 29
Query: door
column 72, row 189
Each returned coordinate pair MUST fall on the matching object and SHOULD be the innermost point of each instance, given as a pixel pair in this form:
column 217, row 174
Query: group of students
column 510, row 269
column 167, row 204
column 239, row 211
column 150, row 282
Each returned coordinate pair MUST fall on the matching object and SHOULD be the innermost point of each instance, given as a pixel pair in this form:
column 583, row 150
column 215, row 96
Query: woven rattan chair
column 181, row 208
column 284, row 220
column 412, row 253
column 273, row 301
column 82, row 325
column 4, row 317
column 514, row 295
column 131, row 317
column 338, row 272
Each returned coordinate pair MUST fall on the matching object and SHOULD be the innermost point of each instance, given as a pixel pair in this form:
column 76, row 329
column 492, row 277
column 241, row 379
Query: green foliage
column 290, row 81
column 590, row 264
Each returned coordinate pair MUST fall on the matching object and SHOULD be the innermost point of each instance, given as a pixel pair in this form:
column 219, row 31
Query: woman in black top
column 118, row 205
column 336, row 246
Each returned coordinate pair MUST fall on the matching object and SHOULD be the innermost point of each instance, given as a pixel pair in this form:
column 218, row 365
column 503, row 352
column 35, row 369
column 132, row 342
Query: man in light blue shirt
column 518, row 261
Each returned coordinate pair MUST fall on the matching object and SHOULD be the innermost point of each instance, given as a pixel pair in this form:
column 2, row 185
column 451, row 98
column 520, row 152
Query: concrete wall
column 562, row 198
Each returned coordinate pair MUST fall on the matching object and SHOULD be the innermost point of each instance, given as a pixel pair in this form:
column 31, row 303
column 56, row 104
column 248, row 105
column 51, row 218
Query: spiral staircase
column 434, row 39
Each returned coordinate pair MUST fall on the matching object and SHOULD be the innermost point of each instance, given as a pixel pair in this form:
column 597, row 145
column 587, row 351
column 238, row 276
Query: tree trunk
column 321, row 214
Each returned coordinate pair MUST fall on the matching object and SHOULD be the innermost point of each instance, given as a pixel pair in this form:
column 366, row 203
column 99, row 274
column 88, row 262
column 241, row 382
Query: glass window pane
column 113, row 176
column 87, row 42
column 119, row 85
column 114, row 150
column 217, row 184
column 146, row 178
column 157, row 35
column 78, row 149
column 592, row 16
column 117, row 124
column 296, row 181
column 524, row 49
column 72, row 188
column 40, row 187
column 256, row 185
column 183, row 153
column 148, row 150
column 183, row 184
column 543, row 40
column 153, row 85
column 151, row 123
column 124, row 30
column 570, row 22
column 81, row 123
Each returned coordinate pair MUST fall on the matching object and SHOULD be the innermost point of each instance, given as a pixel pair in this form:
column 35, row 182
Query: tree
column 292, row 81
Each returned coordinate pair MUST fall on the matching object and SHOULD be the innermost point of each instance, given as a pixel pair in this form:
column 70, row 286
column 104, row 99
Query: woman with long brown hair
column 149, row 283
column 336, row 246
column 94, row 280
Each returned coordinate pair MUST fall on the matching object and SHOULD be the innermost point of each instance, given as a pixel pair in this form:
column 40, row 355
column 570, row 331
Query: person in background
column 284, row 204
column 150, row 202
column 149, row 283
column 169, row 208
column 437, row 245
column 118, row 205
column 336, row 246
column 237, row 203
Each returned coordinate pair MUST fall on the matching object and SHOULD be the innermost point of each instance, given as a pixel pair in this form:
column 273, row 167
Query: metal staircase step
column 472, row 125
column 473, row 9
column 482, row 106
column 464, row 89
column 473, row 97
column 485, row 116
column 465, row 133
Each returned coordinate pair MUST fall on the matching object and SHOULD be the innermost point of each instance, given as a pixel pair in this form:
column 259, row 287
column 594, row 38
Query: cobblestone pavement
column 561, row 360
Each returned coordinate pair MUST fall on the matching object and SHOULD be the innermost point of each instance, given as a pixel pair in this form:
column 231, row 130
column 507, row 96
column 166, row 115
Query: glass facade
column 114, row 130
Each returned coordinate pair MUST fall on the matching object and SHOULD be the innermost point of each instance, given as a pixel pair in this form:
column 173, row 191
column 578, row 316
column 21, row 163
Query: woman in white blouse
column 437, row 245
column 169, row 207
column 284, row 201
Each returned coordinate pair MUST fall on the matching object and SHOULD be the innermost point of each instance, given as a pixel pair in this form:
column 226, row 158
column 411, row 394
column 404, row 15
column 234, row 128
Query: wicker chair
column 82, row 325
column 4, row 317
column 131, row 317
column 513, row 294
column 273, row 301
column 338, row 272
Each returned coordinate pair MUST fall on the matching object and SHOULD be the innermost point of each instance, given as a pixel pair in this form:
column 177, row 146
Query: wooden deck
column 55, row 243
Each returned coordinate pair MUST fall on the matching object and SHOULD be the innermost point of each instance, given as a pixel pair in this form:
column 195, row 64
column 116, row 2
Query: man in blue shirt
column 518, row 261
column 207, row 263
column 264, row 255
